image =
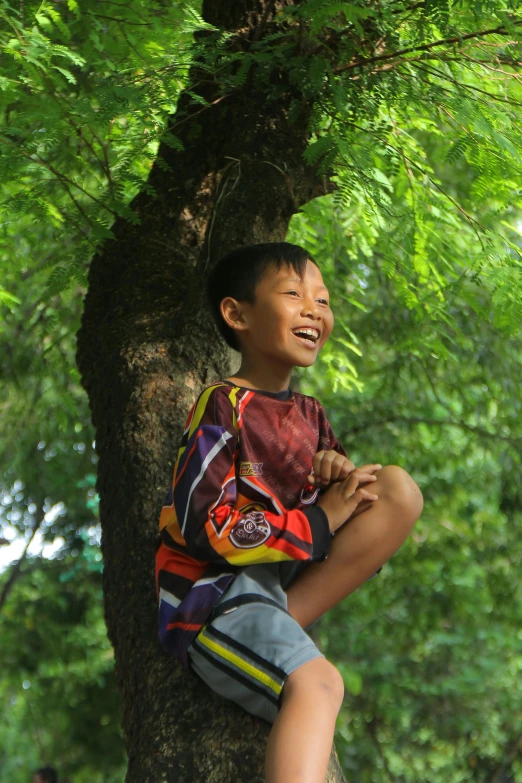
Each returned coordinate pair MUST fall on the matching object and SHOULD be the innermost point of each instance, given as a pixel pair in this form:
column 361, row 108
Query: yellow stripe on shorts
column 257, row 674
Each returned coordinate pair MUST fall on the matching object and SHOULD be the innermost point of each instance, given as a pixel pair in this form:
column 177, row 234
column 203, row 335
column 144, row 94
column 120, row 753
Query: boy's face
column 285, row 305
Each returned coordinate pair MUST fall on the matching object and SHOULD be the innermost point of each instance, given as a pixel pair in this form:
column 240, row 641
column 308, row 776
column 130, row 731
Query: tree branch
column 116, row 19
column 259, row 30
column 16, row 570
column 470, row 87
column 442, row 42
column 336, row 35
column 64, row 181
column 433, row 423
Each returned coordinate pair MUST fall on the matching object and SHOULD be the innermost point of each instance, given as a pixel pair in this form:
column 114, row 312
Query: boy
column 261, row 484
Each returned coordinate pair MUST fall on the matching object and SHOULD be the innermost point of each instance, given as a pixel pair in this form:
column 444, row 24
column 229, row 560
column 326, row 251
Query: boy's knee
column 318, row 681
column 397, row 485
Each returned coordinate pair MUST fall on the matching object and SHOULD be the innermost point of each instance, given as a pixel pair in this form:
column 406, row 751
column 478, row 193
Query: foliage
column 415, row 116
column 87, row 92
column 46, row 438
column 57, row 677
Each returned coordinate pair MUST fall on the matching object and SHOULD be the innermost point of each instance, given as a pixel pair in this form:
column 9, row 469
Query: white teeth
column 309, row 332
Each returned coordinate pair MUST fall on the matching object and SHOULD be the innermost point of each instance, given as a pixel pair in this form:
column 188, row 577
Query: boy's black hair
column 47, row 774
column 238, row 273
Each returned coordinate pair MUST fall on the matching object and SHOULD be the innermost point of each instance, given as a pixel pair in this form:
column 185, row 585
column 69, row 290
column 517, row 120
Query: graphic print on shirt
column 250, row 468
column 252, row 530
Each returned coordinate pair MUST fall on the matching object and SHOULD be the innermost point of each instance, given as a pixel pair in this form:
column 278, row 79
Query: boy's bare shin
column 301, row 739
column 360, row 547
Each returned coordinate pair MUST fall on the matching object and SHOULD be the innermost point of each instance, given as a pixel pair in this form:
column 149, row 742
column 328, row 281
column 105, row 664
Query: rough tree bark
column 145, row 349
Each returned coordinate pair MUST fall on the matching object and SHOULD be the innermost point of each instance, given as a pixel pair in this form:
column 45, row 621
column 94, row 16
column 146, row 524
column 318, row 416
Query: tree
column 371, row 88
column 230, row 195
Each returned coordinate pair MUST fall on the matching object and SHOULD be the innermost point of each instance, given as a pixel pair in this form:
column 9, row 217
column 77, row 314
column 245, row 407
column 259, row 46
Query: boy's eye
column 322, row 301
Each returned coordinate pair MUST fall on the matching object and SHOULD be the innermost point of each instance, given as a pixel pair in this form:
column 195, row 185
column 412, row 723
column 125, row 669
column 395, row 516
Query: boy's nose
column 310, row 310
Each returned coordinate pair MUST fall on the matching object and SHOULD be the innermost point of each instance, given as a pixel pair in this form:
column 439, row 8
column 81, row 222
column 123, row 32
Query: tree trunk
column 146, row 347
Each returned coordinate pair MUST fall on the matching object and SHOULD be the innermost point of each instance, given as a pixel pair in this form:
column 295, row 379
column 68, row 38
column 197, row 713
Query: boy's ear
column 233, row 314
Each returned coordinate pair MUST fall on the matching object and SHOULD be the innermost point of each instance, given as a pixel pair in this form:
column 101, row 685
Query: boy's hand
column 342, row 498
column 331, row 466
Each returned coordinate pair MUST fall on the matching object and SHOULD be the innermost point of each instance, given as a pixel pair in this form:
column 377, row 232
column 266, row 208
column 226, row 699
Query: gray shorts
column 250, row 644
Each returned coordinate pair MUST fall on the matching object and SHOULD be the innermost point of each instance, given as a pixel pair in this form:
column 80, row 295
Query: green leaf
column 348, row 345
column 5, row 296
column 68, row 75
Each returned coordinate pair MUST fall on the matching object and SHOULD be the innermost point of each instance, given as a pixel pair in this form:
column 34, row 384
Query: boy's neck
column 264, row 376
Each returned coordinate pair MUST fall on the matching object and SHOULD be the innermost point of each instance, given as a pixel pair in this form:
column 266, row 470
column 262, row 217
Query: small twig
column 204, row 108
column 116, row 19
column 136, row 52
column 432, row 386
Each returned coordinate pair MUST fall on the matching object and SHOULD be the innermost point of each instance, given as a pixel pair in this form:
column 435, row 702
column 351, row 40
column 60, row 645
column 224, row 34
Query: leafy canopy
column 415, row 117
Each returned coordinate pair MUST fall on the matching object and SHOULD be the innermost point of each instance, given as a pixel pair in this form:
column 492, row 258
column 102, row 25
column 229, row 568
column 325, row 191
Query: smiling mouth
column 307, row 336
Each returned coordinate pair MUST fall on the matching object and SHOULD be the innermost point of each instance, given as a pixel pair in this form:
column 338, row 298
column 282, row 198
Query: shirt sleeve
column 206, row 505
column 327, row 439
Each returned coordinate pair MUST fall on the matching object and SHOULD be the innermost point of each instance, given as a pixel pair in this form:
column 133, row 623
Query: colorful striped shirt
column 239, row 496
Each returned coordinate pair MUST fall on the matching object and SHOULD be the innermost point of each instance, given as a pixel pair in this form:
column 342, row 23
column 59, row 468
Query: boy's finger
column 316, row 463
column 358, row 476
column 364, row 474
column 348, row 486
column 365, row 477
column 339, row 468
column 330, row 466
column 347, row 468
column 355, row 480
column 324, row 473
column 370, row 468
column 363, row 494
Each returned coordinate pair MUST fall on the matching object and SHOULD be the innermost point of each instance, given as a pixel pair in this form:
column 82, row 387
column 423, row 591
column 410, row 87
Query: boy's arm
column 205, row 494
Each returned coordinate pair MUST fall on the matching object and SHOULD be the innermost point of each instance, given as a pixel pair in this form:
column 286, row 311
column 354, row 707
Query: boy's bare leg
column 374, row 532
column 301, row 739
